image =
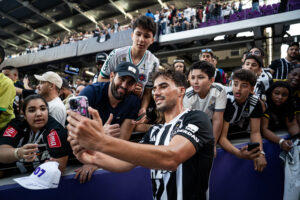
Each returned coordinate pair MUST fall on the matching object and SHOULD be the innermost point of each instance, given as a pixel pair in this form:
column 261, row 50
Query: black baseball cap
column 65, row 83
column 128, row 69
column 101, row 57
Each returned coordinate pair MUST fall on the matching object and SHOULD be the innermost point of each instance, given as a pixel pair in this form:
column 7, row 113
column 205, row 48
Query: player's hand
column 87, row 132
column 286, row 145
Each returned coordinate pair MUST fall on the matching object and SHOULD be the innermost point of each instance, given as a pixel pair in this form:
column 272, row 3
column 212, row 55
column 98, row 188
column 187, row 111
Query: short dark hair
column 9, row 68
column 30, row 98
column 178, row 77
column 293, row 44
column 145, row 23
column 245, row 75
column 205, row 67
column 256, row 58
column 262, row 52
column 2, row 54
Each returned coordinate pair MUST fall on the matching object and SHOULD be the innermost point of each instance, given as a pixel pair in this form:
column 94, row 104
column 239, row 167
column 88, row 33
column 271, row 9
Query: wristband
column 263, row 153
column 16, row 154
column 281, row 141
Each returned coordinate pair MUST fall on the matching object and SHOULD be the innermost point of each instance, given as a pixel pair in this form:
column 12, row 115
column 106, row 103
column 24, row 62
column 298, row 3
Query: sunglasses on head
column 175, row 61
column 206, row 50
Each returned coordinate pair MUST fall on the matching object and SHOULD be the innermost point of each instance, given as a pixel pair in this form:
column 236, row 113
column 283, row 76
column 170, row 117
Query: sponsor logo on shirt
column 53, row 139
column 193, row 128
column 10, row 132
column 142, row 77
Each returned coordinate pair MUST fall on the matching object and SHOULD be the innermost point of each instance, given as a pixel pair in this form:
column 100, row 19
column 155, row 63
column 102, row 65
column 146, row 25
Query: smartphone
column 252, row 145
column 80, row 105
column 140, row 117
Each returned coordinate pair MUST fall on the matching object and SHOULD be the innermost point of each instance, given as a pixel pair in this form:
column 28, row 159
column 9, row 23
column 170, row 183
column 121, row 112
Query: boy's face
column 200, row 81
column 252, row 65
column 241, row 90
column 142, row 38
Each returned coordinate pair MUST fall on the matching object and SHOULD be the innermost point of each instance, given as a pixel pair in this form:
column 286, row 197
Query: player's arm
column 62, row 162
column 90, row 135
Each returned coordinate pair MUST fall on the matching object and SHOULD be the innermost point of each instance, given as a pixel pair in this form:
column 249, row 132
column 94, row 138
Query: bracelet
column 281, row 141
column 16, row 153
column 263, row 153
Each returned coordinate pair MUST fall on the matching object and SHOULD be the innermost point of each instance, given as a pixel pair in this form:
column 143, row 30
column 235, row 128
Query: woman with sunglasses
column 35, row 138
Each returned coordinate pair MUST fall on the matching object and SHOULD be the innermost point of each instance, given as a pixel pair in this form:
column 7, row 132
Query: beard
column 114, row 91
column 167, row 106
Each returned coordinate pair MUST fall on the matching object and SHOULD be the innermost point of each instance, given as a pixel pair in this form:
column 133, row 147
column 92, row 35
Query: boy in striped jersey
column 144, row 30
column 243, row 109
column 179, row 152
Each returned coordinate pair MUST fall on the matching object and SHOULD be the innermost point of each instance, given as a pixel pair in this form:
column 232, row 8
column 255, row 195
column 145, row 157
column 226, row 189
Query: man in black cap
column 66, row 93
column 116, row 106
column 100, row 59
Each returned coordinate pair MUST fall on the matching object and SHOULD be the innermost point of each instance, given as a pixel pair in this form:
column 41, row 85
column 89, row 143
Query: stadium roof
column 28, row 22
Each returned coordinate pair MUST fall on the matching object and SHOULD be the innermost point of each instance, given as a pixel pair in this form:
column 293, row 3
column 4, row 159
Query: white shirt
column 215, row 100
column 148, row 64
column 58, row 110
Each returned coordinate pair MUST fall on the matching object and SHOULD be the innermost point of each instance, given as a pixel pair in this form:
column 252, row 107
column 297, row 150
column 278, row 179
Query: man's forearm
column 146, row 98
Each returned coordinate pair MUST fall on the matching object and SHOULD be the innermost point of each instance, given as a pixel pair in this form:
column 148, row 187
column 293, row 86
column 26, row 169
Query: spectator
column 217, row 11
column 78, row 82
column 240, row 6
column 219, row 71
column 294, row 82
column 116, row 25
column 7, row 96
column 12, row 73
column 96, row 32
column 199, row 13
column 157, row 17
column 115, row 105
column 207, row 96
column 279, row 115
column 185, row 25
column 49, row 85
column 37, row 133
column 100, row 59
column 79, row 89
column 281, row 67
column 255, row 5
column 243, row 109
column 150, row 14
column 208, row 56
column 209, row 10
column 187, row 13
column 189, row 131
column 144, row 29
column 66, row 93
column 175, row 25
column 179, row 65
column 173, row 14
column 264, row 80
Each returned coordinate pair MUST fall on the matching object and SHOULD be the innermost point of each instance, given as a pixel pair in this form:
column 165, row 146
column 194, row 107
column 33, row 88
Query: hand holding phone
column 140, row 117
column 252, row 145
column 80, row 105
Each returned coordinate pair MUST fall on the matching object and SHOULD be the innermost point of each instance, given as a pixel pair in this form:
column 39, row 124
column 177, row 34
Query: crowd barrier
column 231, row 179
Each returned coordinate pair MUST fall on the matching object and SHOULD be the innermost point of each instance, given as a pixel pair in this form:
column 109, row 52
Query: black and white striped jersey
column 281, row 68
column 239, row 115
column 190, row 180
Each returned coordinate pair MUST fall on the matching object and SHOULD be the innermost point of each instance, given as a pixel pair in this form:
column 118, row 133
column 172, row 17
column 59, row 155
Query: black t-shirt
column 239, row 116
column 281, row 68
column 277, row 120
column 52, row 140
column 190, row 180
